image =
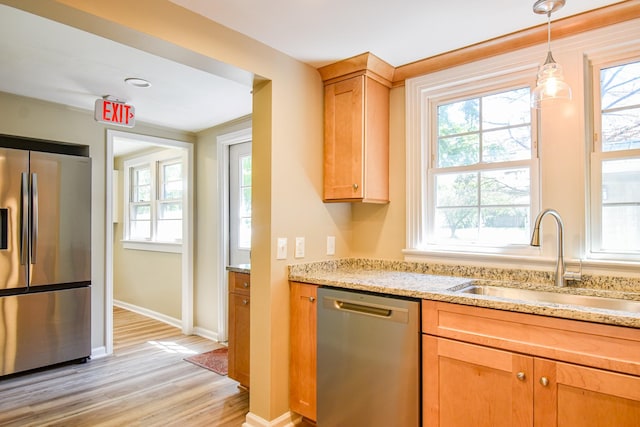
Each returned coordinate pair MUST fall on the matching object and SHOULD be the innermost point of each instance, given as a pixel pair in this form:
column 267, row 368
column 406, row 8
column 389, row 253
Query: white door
column 240, row 203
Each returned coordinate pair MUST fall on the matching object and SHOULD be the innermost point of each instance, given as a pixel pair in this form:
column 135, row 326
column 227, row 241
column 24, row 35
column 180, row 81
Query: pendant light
column 551, row 84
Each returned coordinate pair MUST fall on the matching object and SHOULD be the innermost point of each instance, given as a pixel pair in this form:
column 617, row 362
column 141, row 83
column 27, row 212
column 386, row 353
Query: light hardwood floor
column 145, row 383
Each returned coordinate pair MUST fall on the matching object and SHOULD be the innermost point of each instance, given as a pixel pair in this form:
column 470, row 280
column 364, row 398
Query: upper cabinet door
column 356, row 141
column 61, row 219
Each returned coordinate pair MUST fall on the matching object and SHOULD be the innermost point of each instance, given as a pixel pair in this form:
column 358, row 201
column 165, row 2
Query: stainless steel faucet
column 562, row 276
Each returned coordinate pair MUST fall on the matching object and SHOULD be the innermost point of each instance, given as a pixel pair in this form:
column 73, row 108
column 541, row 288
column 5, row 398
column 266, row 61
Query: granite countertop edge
column 444, row 288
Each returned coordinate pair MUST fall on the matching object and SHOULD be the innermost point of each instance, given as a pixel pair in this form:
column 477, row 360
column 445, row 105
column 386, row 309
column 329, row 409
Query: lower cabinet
column 469, row 384
column 239, row 309
column 303, row 361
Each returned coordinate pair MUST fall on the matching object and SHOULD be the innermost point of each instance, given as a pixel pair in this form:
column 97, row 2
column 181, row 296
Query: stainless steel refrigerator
column 45, row 253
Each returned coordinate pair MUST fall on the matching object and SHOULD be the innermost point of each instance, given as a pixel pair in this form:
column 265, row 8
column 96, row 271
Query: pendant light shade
column 551, row 84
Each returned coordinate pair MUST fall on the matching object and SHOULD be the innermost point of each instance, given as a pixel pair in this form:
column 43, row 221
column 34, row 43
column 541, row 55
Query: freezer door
column 60, row 230
column 14, row 165
column 44, row 328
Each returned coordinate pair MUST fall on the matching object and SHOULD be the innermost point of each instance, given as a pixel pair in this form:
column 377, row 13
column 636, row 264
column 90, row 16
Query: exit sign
column 115, row 113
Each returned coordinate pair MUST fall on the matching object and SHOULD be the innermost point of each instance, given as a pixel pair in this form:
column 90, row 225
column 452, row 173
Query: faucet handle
column 574, row 276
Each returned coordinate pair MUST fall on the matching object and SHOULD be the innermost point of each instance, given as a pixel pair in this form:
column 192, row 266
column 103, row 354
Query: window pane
column 620, row 86
column 458, row 150
column 620, row 104
column 244, row 233
column 457, row 189
column 621, row 130
column 140, row 212
column 245, row 170
column 141, row 176
column 507, row 145
column 621, row 205
column 140, row 230
column 458, row 117
column 169, row 230
column 504, row 225
column 245, row 202
column 504, row 109
column 170, row 210
column 172, row 172
column 456, row 224
column 505, row 187
column 172, row 190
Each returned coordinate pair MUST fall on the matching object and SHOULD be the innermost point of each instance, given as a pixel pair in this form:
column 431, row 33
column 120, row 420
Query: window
column 480, row 172
column 615, row 161
column 472, row 161
column 154, row 197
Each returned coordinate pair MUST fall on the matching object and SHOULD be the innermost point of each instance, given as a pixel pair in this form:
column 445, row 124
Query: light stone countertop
column 240, row 268
column 421, row 281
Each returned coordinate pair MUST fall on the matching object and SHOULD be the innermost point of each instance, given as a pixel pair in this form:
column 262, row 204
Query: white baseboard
column 98, row 352
column 205, row 333
column 288, row 419
column 149, row 313
column 202, row 332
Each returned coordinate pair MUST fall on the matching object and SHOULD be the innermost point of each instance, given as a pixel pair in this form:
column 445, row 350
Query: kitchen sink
column 553, row 297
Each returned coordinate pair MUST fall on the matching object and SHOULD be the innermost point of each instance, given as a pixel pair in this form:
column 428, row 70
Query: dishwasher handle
column 396, row 314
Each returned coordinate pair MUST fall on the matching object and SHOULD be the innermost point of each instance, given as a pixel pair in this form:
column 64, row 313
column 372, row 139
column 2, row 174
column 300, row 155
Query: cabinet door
column 568, row 395
column 239, row 308
column 302, row 369
column 344, row 139
column 470, row 385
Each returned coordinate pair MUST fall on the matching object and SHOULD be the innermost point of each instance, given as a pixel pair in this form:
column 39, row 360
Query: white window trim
column 151, row 159
column 597, row 60
column 421, row 92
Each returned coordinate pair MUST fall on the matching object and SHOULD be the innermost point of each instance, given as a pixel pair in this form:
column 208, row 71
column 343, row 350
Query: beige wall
column 38, row 119
column 207, row 240
column 287, row 152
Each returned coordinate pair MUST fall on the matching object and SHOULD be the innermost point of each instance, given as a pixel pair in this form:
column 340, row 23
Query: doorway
column 225, row 143
column 185, row 248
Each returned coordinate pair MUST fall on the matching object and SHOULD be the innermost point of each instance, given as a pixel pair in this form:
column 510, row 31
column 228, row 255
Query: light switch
column 282, row 248
column 299, row 247
column 331, row 245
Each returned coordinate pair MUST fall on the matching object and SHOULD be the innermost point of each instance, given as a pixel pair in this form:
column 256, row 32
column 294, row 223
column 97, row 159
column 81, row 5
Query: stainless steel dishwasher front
column 368, row 360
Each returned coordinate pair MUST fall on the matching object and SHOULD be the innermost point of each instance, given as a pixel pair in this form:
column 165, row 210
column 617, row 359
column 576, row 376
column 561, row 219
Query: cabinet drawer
column 614, row 348
column 239, row 283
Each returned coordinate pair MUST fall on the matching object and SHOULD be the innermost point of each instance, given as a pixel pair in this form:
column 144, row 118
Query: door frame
column 224, row 141
column 187, row 232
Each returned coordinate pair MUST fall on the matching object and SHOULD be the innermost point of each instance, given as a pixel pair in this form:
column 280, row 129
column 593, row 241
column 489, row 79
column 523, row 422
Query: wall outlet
column 331, row 245
column 299, row 247
column 282, row 248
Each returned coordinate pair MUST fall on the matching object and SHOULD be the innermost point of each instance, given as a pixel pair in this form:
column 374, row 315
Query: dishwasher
column 368, row 367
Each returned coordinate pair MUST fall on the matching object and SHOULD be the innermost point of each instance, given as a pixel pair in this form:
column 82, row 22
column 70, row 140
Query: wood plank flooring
column 145, row 383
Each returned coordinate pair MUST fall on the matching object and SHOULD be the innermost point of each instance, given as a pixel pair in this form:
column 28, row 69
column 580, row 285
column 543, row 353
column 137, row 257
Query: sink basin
column 553, row 297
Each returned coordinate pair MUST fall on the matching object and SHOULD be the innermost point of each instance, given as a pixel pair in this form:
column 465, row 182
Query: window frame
column 424, row 94
column 154, row 162
column 597, row 157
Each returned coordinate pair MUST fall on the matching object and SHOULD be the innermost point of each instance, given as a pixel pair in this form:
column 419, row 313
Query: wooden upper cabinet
column 356, row 130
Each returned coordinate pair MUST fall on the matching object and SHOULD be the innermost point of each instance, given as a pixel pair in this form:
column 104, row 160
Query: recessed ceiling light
column 137, row 82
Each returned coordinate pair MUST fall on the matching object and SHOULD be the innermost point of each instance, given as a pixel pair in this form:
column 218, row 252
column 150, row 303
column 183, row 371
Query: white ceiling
column 54, row 62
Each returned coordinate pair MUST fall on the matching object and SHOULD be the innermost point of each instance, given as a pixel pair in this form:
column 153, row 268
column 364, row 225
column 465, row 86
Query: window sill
column 139, row 245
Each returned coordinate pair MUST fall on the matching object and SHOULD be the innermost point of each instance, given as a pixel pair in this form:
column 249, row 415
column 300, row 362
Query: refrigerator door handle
column 24, row 219
column 34, row 217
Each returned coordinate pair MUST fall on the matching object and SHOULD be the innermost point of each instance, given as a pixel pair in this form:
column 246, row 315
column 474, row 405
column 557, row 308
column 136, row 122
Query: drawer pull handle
column 245, row 284
column 245, row 301
column 544, row 381
column 355, row 187
column 312, row 299
column 521, row 376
